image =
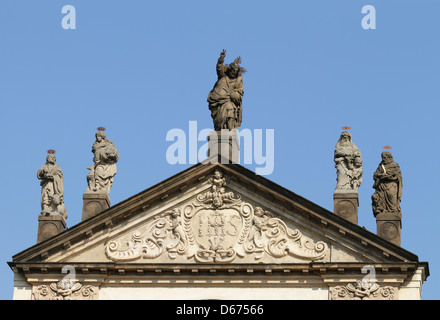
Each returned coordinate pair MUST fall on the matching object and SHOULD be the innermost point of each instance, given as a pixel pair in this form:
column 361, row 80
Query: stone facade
column 217, row 232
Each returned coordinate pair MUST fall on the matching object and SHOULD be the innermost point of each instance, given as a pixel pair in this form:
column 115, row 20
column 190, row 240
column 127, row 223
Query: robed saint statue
column 225, row 99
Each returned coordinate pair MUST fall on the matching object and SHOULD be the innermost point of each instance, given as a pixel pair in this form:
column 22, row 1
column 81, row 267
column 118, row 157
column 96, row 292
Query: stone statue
column 101, row 175
column 225, row 99
column 218, row 182
column 348, row 163
column 52, row 188
column 388, row 186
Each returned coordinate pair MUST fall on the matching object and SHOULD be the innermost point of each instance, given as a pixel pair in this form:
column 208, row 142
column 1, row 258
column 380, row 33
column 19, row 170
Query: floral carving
column 65, row 290
column 361, row 291
column 217, row 227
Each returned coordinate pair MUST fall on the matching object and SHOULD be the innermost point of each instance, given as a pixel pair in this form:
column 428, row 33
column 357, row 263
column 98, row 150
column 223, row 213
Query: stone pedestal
column 49, row 226
column 346, row 203
column 94, row 203
column 223, row 145
column 389, row 226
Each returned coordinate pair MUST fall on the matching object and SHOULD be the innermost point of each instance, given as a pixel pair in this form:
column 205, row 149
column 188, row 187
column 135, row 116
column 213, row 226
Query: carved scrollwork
column 271, row 235
column 165, row 233
column 65, row 290
column 217, row 227
column 359, row 291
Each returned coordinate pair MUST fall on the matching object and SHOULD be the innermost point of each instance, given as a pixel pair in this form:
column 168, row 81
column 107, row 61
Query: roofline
column 102, row 215
column 160, row 191
column 316, row 209
column 306, row 268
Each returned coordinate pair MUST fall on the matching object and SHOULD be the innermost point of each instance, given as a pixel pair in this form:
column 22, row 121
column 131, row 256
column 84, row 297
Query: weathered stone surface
column 346, row 205
column 361, row 291
column 101, row 175
column 218, row 227
column 94, row 203
column 388, row 186
column 223, row 146
column 348, row 163
column 52, row 219
column 216, row 232
column 389, row 227
column 386, row 199
column 49, row 226
column 65, row 290
column 52, row 187
column 225, row 99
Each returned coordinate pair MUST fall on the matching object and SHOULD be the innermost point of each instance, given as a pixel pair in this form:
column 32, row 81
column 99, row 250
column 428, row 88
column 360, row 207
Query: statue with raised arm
column 52, row 188
column 101, row 175
column 348, row 163
column 388, row 186
column 225, row 99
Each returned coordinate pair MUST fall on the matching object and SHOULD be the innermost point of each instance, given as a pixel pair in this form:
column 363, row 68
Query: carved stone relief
column 359, row 291
column 217, row 227
column 65, row 290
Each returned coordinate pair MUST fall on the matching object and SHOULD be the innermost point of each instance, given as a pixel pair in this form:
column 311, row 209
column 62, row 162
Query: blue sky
column 142, row 68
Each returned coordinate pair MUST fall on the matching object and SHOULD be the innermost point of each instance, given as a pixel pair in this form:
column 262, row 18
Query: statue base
column 94, row 203
column 389, row 227
column 346, row 203
column 49, row 226
column 223, row 145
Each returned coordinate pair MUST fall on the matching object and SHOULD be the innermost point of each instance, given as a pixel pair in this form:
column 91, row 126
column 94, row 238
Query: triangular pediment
column 215, row 214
